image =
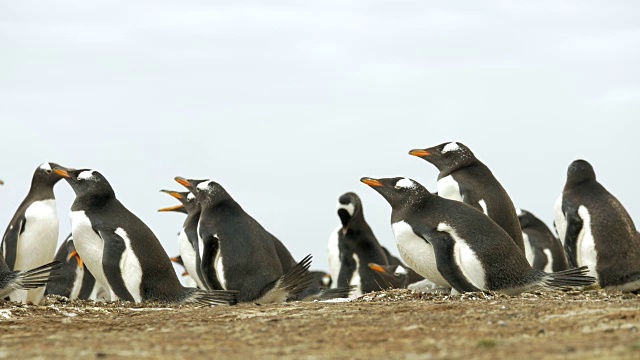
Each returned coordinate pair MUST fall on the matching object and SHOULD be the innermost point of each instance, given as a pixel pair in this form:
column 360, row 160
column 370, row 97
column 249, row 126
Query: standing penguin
column 544, row 250
column 121, row 252
column 465, row 178
column 454, row 245
column 238, row 253
column 597, row 231
column 75, row 281
column 188, row 236
column 353, row 246
column 32, row 235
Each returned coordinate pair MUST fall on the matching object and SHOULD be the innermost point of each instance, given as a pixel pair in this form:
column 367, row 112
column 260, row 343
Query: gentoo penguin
column 75, row 281
column 454, row 245
column 121, row 252
column 398, row 276
column 352, row 247
column 465, row 178
column 188, row 236
column 322, row 279
column 597, row 231
column 188, row 279
column 543, row 250
column 31, row 238
column 238, row 253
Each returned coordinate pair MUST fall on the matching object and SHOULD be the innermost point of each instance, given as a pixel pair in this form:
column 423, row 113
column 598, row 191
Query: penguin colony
column 467, row 237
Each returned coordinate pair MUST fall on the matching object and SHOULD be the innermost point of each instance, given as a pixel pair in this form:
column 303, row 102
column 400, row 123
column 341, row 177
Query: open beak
column 175, row 194
column 182, row 181
column 376, row 268
column 172, row 208
column 78, row 260
column 419, row 152
column 371, row 182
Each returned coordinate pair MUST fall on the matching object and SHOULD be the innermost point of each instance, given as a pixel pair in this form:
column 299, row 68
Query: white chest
column 418, row 254
column 37, row 244
column 89, row 246
column 448, row 188
column 334, row 256
column 586, row 247
column 559, row 219
column 188, row 255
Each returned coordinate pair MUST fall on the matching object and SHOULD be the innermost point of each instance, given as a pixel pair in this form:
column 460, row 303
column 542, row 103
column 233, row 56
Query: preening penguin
column 352, row 246
column 465, row 178
column 543, row 250
column 121, row 252
column 454, row 245
column 238, row 253
column 32, row 235
column 597, row 231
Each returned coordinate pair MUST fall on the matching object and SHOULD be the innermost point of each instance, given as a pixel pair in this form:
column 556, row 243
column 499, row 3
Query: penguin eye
column 48, row 171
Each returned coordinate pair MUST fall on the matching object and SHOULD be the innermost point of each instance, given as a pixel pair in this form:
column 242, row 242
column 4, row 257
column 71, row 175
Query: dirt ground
column 395, row 324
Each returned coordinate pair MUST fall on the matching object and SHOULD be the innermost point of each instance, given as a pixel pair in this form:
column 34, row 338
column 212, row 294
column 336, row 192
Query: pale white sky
column 287, row 104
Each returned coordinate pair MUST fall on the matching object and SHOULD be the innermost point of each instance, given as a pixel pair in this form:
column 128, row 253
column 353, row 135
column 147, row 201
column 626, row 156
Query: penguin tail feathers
column 328, row 294
column 289, row 285
column 212, row 297
column 568, row 278
column 37, row 277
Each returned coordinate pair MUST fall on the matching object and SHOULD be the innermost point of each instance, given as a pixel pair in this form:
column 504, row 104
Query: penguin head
column 526, row 218
column 45, row 176
column 445, row 156
column 580, row 171
column 396, row 271
column 349, row 205
column 85, row 182
column 206, row 191
column 398, row 191
column 186, row 198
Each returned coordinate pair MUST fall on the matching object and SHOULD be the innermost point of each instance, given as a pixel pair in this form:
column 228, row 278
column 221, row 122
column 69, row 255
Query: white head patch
column 190, row 196
column 400, row 271
column 204, row 185
column 453, row 146
column 349, row 207
column 45, row 166
column 86, row 175
column 405, row 183
column 519, row 212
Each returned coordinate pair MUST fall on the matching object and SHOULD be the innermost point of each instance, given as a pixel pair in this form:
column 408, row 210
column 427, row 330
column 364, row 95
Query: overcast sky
column 287, row 104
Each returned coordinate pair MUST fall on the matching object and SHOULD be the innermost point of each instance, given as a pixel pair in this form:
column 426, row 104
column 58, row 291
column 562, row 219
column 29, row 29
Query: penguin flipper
column 114, row 248
column 540, row 259
column 207, row 263
column 574, row 226
column 10, row 241
column 443, row 247
column 347, row 268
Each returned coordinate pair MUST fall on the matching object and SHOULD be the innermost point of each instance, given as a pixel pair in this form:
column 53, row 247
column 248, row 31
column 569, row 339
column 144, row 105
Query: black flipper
column 443, row 247
column 10, row 241
column 207, row 263
column 114, row 248
column 540, row 259
column 574, row 226
column 88, row 283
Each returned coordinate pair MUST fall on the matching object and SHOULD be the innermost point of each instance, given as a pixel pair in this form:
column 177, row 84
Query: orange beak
column 62, row 173
column 182, row 181
column 171, row 208
column 376, row 268
column 1, row 182
column 371, row 182
column 419, row 153
column 78, row 260
column 185, row 273
column 174, row 259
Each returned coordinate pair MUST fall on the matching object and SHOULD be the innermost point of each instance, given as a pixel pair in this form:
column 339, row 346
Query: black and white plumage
column 542, row 248
column 188, row 236
column 597, row 231
column 454, row 245
column 74, row 281
column 465, row 178
column 121, row 252
column 238, row 253
column 31, row 237
column 352, row 246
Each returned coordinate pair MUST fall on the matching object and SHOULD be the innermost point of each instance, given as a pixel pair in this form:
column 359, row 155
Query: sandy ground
column 393, row 324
